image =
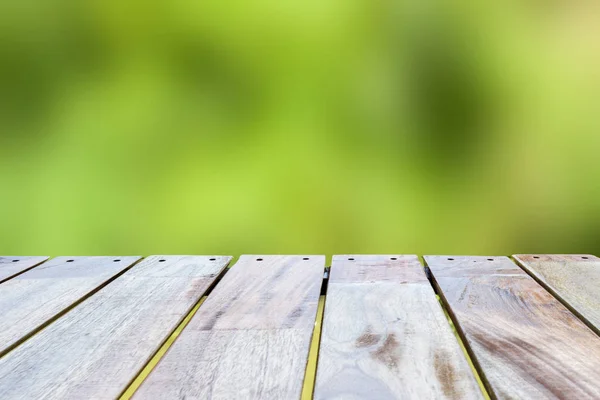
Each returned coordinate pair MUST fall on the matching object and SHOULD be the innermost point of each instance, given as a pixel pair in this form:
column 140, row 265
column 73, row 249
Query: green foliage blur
column 313, row 126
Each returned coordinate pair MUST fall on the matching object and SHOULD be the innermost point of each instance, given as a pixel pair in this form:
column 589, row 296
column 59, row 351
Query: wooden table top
column 287, row 327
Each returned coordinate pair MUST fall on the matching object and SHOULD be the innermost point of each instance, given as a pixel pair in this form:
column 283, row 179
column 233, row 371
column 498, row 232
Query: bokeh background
column 313, row 126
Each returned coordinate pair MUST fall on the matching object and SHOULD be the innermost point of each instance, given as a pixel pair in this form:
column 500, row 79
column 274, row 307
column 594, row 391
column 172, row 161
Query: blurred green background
column 313, row 126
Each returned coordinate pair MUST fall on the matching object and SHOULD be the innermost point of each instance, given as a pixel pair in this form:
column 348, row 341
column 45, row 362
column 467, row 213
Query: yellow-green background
column 313, row 126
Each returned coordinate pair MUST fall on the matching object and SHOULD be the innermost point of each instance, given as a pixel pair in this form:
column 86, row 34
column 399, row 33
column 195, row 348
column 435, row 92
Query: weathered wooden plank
column 15, row 265
column 385, row 335
column 527, row 344
column 98, row 348
column 33, row 298
column 250, row 339
column 573, row 279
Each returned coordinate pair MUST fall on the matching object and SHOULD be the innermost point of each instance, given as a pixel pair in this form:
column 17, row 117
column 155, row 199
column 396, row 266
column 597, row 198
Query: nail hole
column 585, row 258
column 351, row 259
column 161, row 260
column 305, row 258
column 116, row 260
column 393, row 258
column 490, row 259
column 535, row 257
column 451, row 259
column 259, row 259
column 15, row 260
column 70, row 260
column 212, row 259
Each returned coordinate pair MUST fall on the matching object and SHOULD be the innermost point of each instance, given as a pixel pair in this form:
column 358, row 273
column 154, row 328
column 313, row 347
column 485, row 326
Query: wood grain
column 251, row 337
column 572, row 279
column 95, row 350
column 527, row 344
column 35, row 297
column 385, row 335
column 11, row 266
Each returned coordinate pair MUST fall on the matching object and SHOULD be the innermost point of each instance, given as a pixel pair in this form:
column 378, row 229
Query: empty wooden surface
column 250, row 339
column 573, row 279
column 31, row 299
column 96, row 349
column 526, row 343
column 11, row 266
column 385, row 335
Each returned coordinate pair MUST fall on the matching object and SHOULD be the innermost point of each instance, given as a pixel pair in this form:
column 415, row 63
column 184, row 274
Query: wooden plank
column 250, row 339
column 385, row 335
column 32, row 299
column 527, row 344
column 11, row 266
column 98, row 348
column 573, row 279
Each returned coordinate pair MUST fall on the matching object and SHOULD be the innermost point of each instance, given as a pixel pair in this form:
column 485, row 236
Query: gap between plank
column 556, row 295
column 458, row 333
column 21, row 272
column 141, row 376
column 310, row 375
column 464, row 350
column 66, row 310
